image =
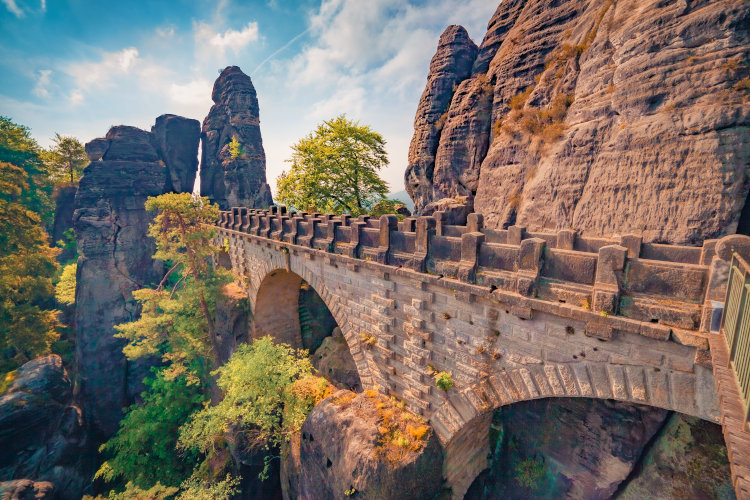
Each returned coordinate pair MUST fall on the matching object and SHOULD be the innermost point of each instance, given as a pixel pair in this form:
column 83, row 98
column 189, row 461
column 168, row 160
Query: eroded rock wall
column 607, row 116
column 111, row 224
column 234, row 180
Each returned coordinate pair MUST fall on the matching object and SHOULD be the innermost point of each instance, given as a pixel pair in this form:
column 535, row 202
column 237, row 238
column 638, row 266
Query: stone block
column 566, row 239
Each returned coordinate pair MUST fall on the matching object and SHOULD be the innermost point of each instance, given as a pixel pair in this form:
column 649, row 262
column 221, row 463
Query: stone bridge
column 512, row 315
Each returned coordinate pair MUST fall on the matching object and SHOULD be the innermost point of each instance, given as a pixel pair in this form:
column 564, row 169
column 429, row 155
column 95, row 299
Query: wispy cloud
column 165, row 32
column 102, row 73
column 13, row 8
column 76, row 97
column 43, row 6
column 229, row 39
column 43, row 81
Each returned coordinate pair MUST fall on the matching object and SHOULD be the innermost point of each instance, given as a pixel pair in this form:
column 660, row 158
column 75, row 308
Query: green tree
column 65, row 159
column 28, row 323
column 268, row 391
column 153, row 425
column 335, row 169
column 65, row 291
column 177, row 320
column 235, row 148
column 18, row 148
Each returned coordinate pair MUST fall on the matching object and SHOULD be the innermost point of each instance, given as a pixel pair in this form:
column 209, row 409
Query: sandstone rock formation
column 334, row 361
column 42, row 440
column 341, row 453
column 606, row 116
column 241, row 180
column 571, row 448
column 115, row 254
column 176, row 141
column 688, row 460
column 449, row 67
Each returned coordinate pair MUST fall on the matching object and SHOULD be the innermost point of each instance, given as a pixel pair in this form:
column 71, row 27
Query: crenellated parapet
column 653, row 289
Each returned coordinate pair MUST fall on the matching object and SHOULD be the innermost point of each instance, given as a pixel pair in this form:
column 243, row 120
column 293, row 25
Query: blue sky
column 79, row 66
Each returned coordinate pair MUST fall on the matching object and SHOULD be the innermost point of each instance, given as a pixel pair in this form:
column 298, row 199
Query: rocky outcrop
column 43, row 443
column 239, row 179
column 606, row 116
column 176, row 141
column 231, row 320
column 687, row 460
column 360, row 446
column 334, row 361
column 449, row 67
column 26, row 489
column 64, row 196
column 565, row 448
column 115, row 255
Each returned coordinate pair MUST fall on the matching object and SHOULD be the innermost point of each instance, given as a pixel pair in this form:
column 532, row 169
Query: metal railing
column 736, row 327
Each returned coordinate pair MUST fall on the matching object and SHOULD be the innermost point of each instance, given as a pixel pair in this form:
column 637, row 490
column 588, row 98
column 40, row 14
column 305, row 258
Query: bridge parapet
column 662, row 287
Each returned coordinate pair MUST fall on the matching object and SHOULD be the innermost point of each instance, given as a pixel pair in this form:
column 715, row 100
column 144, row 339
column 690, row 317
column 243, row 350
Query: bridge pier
column 466, row 455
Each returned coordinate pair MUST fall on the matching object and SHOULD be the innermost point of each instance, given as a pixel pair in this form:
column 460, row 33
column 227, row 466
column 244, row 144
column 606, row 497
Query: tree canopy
column 28, row 323
column 18, row 148
column 65, row 159
column 335, row 169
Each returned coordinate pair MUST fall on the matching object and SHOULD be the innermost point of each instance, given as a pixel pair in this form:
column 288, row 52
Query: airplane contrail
column 286, row 45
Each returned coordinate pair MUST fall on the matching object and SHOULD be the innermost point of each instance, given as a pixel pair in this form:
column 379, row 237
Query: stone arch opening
column 592, row 448
column 291, row 311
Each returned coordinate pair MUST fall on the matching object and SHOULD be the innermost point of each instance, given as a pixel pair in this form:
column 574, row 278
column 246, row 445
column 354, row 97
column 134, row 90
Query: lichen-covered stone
column 338, row 455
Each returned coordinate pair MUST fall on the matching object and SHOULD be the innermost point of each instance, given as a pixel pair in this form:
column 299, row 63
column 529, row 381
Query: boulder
column 42, row 437
column 334, row 361
column 362, row 446
column 26, row 489
column 238, row 180
column 608, row 117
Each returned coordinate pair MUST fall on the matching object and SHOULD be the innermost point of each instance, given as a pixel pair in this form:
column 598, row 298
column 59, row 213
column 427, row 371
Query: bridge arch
column 272, row 282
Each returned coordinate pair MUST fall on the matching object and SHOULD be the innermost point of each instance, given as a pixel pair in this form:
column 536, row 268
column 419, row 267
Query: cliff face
column 605, row 116
column 115, row 255
column 240, row 180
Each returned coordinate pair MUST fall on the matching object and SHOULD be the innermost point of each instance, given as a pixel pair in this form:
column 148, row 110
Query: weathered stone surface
column 65, row 196
column 26, row 489
column 572, row 448
column 176, row 141
column 96, row 148
column 449, row 67
column 687, row 460
column 635, row 120
column 115, row 255
column 338, row 452
column 232, row 320
column 241, row 181
column 334, row 361
column 42, row 436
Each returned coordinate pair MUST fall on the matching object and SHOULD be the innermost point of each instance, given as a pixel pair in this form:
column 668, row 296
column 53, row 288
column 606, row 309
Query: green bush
column 444, row 380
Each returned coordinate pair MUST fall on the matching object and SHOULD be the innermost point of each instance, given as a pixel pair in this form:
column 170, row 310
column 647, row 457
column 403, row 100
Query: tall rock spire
column 234, row 179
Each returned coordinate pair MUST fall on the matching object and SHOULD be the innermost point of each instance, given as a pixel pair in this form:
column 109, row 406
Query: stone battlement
column 613, row 282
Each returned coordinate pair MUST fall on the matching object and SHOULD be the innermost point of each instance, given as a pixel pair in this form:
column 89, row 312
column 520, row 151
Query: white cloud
column 194, row 92
column 166, row 32
column 230, row 39
column 43, row 6
column 13, row 8
column 76, row 97
column 41, row 88
column 103, row 73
